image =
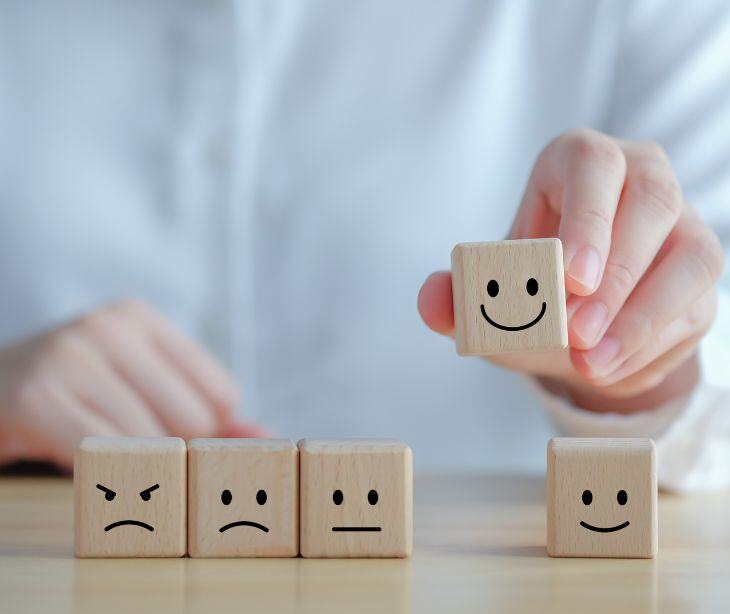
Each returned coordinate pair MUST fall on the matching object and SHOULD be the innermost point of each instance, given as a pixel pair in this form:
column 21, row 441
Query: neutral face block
column 509, row 296
column 130, row 497
column 602, row 498
column 243, row 498
column 356, row 498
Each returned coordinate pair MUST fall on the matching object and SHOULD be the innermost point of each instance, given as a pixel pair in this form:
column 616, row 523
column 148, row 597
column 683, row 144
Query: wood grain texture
column 244, row 468
column 145, row 481
column 359, row 525
column 601, row 483
column 479, row 545
column 509, row 264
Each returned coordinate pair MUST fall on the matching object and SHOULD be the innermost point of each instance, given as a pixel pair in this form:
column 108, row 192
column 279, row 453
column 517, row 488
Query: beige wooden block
column 243, row 498
column 509, row 296
column 130, row 497
column 356, row 498
column 602, row 498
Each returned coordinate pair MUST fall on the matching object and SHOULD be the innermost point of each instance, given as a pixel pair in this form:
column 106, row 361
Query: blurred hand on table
column 120, row 371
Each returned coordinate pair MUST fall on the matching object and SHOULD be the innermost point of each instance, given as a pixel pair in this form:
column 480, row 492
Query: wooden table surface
column 479, row 546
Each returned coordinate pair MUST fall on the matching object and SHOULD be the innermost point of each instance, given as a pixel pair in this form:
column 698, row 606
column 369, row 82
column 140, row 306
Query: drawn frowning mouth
column 134, row 523
column 244, row 523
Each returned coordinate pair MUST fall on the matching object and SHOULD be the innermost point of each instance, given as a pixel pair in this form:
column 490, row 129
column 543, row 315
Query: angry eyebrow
column 108, row 492
column 145, row 494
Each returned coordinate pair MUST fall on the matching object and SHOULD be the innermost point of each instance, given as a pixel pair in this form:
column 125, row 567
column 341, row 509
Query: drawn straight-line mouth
column 134, row 523
column 514, row 328
column 244, row 523
column 604, row 529
column 357, row 529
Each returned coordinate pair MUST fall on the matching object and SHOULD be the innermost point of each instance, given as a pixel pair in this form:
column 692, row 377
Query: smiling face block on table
column 602, row 498
column 356, row 498
column 243, row 498
column 508, row 296
column 130, row 497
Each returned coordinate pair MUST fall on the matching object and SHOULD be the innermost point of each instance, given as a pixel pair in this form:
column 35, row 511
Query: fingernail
column 601, row 355
column 585, row 267
column 589, row 320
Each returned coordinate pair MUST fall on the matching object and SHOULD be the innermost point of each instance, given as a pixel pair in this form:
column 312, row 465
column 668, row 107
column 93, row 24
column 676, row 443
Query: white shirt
column 279, row 177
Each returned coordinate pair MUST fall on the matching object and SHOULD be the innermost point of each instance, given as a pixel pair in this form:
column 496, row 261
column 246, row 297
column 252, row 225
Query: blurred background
column 278, row 178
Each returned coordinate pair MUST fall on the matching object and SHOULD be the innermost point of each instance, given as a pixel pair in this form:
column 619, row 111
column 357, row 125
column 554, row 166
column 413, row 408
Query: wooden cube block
column 509, row 296
column 130, row 497
column 243, row 498
column 602, row 498
column 356, row 498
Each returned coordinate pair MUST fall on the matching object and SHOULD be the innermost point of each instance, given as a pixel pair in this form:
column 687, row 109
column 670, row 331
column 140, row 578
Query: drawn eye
column 532, row 286
column 493, row 288
column 226, row 497
column 622, row 497
column 338, row 497
column 108, row 493
column 261, row 497
column 147, row 493
column 587, row 497
column 373, row 497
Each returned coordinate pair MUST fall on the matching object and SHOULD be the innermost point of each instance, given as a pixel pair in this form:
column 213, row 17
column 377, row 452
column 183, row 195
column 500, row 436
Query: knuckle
column 594, row 147
column 642, row 328
column 655, row 151
column 659, row 189
column 595, row 219
column 622, row 277
column 704, row 256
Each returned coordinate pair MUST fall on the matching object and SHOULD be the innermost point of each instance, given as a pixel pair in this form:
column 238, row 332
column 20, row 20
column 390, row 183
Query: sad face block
column 602, row 498
column 130, row 497
column 356, row 498
column 243, row 498
column 509, row 296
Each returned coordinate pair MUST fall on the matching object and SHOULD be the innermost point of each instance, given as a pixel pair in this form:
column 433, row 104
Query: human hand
column 120, row 371
column 640, row 267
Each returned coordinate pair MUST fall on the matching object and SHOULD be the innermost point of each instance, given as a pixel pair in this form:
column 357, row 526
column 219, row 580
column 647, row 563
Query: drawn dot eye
column 261, row 497
column 587, row 497
column 109, row 496
column 226, row 497
column 146, row 496
column 532, row 286
column 622, row 497
column 338, row 497
column 493, row 288
column 373, row 497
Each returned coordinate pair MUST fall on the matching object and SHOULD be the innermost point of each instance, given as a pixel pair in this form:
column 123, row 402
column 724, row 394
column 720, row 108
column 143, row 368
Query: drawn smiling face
column 602, row 497
column 508, row 296
column 531, row 288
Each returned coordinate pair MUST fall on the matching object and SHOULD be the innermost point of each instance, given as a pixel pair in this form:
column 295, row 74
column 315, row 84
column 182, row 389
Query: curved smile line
column 134, row 523
column 513, row 328
column 606, row 529
column 244, row 523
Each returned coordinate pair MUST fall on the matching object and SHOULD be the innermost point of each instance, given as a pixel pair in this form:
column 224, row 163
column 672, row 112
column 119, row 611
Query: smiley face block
column 508, row 296
column 602, row 498
column 130, row 497
column 356, row 498
column 243, row 498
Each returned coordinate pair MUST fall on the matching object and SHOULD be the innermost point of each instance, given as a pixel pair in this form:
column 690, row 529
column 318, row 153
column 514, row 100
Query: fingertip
column 583, row 271
column 236, row 428
column 435, row 303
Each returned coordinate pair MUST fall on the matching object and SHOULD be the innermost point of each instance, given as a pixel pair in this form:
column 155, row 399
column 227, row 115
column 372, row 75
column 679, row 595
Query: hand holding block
column 602, row 498
column 130, row 496
column 356, row 498
column 509, row 296
column 243, row 498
